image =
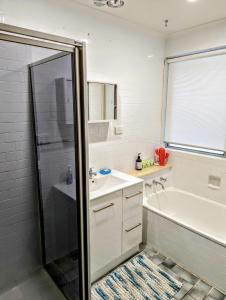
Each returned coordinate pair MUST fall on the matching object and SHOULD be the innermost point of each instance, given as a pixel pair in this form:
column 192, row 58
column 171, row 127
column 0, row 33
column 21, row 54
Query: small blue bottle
column 69, row 175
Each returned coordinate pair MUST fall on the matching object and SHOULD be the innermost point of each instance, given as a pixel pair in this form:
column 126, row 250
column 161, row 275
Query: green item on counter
column 147, row 163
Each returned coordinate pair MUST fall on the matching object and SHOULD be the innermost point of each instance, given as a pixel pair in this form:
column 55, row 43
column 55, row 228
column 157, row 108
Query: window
column 196, row 103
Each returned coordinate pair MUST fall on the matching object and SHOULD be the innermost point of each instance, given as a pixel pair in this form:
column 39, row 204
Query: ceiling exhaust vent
column 109, row 3
column 115, row 3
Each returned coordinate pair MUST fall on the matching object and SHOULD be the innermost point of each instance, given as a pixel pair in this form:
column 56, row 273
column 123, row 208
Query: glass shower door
column 53, row 102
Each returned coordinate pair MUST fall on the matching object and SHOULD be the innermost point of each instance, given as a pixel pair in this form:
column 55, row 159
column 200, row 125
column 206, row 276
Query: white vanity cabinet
column 105, row 230
column 115, row 228
column 115, row 219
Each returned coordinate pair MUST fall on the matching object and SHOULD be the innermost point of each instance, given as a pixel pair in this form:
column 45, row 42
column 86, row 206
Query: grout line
column 188, row 293
column 194, row 298
column 150, row 247
column 199, row 279
column 212, row 288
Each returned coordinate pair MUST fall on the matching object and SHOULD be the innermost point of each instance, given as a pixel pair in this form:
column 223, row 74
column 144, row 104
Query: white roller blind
column 196, row 102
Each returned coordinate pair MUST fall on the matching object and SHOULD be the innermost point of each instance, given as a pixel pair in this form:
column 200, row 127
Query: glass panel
column 54, row 123
column 102, row 101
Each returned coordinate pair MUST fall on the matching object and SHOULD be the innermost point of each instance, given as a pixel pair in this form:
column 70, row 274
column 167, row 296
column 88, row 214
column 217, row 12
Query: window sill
column 195, row 153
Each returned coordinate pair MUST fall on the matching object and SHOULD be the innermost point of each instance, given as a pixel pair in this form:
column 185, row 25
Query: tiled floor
column 193, row 287
column 65, row 273
column 40, row 286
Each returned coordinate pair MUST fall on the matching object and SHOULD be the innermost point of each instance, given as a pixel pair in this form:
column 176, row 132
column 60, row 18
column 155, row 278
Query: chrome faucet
column 155, row 182
column 92, row 173
column 148, row 184
column 163, row 179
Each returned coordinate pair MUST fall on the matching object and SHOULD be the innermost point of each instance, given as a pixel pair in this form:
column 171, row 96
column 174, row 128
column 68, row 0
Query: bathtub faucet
column 155, row 182
column 148, row 184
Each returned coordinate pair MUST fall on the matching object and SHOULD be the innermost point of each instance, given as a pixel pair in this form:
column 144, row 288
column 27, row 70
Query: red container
column 163, row 156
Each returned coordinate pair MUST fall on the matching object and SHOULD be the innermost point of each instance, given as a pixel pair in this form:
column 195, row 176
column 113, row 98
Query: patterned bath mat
column 139, row 278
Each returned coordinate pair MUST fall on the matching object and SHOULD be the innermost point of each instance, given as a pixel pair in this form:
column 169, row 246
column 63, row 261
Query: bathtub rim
column 210, row 237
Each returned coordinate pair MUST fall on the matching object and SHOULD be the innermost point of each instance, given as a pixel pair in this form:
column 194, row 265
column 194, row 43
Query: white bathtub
column 191, row 230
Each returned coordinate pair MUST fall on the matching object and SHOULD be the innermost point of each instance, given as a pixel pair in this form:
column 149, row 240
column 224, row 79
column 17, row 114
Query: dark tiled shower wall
column 19, row 221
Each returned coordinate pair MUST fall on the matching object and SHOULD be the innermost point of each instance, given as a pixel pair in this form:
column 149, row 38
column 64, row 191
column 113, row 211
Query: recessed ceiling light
column 192, row 0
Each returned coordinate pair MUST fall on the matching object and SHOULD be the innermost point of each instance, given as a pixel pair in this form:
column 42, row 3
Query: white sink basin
column 105, row 183
column 101, row 185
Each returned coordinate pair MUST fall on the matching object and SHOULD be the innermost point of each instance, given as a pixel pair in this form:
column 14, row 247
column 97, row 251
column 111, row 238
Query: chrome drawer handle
column 128, row 230
column 134, row 195
column 102, row 208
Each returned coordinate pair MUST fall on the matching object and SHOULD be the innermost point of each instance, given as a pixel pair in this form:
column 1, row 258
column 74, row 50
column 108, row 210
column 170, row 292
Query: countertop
column 128, row 180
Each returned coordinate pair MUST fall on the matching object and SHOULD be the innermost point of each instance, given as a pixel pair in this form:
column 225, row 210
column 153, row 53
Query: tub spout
column 155, row 182
column 148, row 184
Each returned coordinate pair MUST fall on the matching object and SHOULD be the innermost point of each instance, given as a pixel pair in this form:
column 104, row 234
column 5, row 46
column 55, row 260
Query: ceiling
column 181, row 14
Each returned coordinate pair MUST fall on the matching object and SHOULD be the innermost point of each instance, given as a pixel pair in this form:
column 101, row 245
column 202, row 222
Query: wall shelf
column 149, row 171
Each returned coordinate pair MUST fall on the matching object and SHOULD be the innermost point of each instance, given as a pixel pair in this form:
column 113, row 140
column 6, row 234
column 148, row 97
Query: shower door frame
column 35, row 38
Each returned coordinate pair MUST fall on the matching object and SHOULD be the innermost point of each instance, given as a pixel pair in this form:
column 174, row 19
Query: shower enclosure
column 52, row 92
column 58, row 114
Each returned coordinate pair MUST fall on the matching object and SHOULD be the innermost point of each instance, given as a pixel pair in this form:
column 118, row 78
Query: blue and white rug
column 139, row 278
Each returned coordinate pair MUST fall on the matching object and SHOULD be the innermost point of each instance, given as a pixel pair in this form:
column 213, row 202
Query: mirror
column 102, row 101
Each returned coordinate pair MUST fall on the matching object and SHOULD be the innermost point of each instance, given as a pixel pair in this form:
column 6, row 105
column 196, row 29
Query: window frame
column 186, row 147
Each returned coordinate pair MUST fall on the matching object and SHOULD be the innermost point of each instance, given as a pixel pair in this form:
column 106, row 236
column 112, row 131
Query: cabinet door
column 105, row 230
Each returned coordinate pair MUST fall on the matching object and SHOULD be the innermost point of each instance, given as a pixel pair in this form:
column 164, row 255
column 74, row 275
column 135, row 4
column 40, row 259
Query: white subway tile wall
column 139, row 81
column 191, row 173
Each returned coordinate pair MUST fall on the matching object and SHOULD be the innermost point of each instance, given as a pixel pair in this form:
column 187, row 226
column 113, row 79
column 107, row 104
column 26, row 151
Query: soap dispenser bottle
column 69, row 175
column 138, row 162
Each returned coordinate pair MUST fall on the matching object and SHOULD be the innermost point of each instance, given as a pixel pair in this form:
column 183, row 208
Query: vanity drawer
column 132, row 233
column 132, row 201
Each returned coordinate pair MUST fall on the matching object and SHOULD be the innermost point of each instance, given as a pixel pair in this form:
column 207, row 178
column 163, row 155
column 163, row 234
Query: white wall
column 117, row 52
column 191, row 171
column 203, row 37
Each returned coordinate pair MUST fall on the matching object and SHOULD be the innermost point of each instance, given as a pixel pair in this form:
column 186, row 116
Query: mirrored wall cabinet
column 102, row 101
